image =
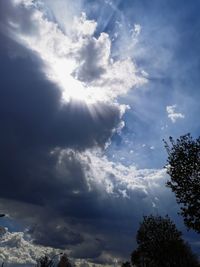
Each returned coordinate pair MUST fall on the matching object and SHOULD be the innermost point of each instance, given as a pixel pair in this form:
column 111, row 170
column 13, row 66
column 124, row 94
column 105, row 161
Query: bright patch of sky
column 159, row 46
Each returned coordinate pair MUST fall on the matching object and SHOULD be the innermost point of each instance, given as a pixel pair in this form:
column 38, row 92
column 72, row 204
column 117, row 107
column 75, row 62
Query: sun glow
column 76, row 60
column 72, row 88
column 58, row 52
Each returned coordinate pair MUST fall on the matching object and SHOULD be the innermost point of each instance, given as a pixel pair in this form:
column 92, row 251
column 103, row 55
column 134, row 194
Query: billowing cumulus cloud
column 16, row 249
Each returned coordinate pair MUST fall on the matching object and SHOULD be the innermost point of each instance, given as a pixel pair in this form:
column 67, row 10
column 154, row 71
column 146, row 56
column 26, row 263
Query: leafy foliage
column 64, row 261
column 126, row 264
column 184, row 170
column 161, row 244
column 45, row 261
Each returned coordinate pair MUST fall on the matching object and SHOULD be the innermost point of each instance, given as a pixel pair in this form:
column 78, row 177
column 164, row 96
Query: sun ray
column 77, row 60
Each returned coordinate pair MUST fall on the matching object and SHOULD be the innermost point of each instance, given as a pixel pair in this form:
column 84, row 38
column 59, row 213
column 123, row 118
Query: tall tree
column 183, row 167
column 161, row 244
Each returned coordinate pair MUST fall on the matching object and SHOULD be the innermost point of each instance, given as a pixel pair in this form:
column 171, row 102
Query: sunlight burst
column 79, row 62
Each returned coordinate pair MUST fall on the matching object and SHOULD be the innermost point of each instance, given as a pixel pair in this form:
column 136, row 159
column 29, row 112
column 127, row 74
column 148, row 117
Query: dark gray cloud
column 34, row 126
column 91, row 61
column 32, row 106
column 48, row 190
column 45, row 188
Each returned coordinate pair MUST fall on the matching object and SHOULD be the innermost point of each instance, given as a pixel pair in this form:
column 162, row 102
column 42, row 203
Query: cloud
column 113, row 193
column 94, row 203
column 52, row 139
column 123, row 196
column 35, row 187
column 173, row 115
column 17, row 249
column 78, row 61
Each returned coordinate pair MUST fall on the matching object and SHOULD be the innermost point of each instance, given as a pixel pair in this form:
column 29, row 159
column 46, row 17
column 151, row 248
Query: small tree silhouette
column 126, row 264
column 45, row 261
column 161, row 244
column 64, row 261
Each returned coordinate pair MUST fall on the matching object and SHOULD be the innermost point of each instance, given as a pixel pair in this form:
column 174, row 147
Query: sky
column 88, row 91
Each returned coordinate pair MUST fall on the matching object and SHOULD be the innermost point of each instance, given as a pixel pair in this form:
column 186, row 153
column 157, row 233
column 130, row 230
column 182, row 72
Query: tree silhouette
column 161, row 244
column 126, row 264
column 45, row 261
column 64, row 261
column 184, row 170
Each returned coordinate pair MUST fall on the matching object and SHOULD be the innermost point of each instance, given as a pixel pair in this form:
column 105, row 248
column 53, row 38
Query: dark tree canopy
column 45, row 261
column 184, row 170
column 126, row 264
column 64, row 261
column 161, row 244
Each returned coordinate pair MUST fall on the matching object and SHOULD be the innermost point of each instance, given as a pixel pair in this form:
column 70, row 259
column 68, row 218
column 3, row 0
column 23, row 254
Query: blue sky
column 167, row 49
column 88, row 92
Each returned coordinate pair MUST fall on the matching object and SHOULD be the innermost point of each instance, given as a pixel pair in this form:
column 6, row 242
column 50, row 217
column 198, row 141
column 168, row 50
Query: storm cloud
column 66, row 197
column 57, row 179
column 35, row 124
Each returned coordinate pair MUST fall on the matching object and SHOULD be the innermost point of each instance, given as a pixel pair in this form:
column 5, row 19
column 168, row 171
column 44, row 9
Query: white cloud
column 120, row 191
column 116, row 179
column 78, row 61
column 83, row 27
column 16, row 248
column 136, row 30
column 173, row 115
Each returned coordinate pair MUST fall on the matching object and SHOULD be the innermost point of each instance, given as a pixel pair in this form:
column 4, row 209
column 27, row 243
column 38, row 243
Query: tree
column 184, row 170
column 126, row 264
column 45, row 261
column 64, row 261
column 161, row 244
